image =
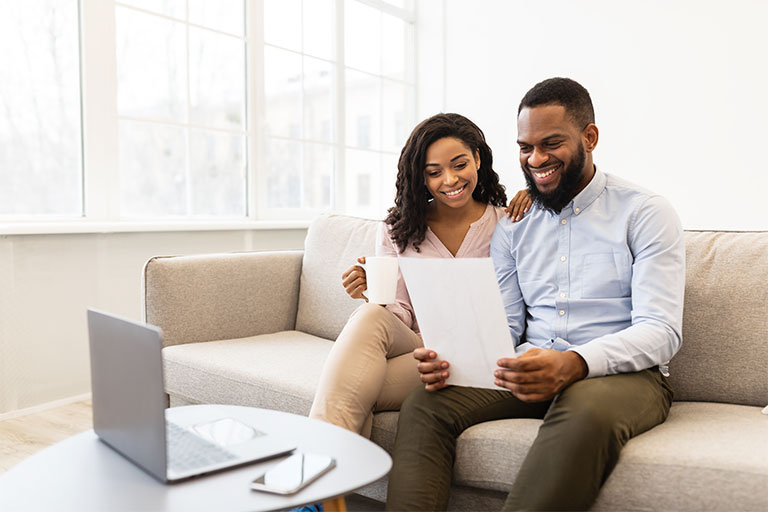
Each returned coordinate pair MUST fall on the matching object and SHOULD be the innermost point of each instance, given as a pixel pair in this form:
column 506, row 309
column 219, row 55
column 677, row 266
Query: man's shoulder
column 617, row 184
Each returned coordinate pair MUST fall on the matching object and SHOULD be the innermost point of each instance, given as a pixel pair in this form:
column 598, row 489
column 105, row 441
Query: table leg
column 335, row 505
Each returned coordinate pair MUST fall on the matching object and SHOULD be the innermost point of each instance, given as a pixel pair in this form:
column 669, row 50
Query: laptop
column 129, row 405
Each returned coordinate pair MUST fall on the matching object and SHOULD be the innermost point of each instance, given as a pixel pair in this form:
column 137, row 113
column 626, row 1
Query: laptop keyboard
column 187, row 451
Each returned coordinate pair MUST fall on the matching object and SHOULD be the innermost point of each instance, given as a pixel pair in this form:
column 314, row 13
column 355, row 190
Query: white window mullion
column 257, row 162
column 101, row 180
column 339, row 200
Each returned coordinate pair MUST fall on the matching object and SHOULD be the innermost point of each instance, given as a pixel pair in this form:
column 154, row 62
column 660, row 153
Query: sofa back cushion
column 333, row 244
column 724, row 356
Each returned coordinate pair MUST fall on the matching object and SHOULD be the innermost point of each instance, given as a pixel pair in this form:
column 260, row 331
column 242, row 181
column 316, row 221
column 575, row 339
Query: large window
column 338, row 104
column 193, row 109
column 40, row 141
column 181, row 90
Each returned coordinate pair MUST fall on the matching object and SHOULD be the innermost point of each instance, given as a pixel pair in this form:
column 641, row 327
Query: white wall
column 48, row 281
column 679, row 88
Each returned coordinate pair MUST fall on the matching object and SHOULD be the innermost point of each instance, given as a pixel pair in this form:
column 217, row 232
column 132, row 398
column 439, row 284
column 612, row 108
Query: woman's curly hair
column 408, row 218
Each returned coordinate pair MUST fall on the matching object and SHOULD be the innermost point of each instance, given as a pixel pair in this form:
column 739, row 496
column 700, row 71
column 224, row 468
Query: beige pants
column 370, row 368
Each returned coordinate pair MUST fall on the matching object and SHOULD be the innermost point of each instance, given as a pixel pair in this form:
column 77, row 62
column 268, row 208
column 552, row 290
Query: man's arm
column 658, row 287
column 506, row 274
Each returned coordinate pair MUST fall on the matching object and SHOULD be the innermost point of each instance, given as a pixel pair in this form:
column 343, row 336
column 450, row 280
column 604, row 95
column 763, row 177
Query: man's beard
column 565, row 190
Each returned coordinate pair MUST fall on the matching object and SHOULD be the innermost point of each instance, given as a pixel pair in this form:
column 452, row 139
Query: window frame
column 100, row 141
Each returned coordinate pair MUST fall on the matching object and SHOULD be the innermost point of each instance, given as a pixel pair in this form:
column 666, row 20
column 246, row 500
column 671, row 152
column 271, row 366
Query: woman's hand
column 433, row 373
column 354, row 281
column 519, row 205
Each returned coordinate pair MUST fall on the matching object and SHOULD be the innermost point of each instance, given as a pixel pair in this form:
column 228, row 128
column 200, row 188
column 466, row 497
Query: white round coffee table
column 84, row 474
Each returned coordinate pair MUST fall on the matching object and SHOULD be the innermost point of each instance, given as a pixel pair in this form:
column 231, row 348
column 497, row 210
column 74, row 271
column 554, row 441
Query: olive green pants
column 577, row 447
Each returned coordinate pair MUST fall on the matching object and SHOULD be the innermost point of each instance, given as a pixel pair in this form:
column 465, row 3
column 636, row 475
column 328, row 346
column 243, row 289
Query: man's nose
column 537, row 158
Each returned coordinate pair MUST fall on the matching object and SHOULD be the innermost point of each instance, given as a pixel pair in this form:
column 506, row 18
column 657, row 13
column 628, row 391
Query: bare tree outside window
column 40, row 126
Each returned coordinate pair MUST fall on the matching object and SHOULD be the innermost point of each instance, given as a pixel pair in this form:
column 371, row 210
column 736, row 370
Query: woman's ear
column 590, row 135
column 477, row 158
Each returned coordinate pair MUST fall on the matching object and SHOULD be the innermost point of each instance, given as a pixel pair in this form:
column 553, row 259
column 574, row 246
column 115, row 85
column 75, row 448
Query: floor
column 26, row 435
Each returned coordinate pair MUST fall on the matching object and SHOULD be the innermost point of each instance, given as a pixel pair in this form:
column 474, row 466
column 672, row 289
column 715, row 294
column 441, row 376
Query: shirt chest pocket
column 605, row 275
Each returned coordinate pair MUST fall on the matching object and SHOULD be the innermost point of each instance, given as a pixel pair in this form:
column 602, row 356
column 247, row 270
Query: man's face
column 552, row 155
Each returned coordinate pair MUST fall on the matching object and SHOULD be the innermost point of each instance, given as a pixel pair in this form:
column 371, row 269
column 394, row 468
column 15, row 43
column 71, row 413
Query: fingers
column 527, row 392
column 354, row 282
column 519, row 205
column 433, row 373
column 424, row 354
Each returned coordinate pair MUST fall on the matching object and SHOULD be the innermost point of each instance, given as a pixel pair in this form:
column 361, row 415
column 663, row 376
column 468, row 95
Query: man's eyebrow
column 452, row 160
column 545, row 139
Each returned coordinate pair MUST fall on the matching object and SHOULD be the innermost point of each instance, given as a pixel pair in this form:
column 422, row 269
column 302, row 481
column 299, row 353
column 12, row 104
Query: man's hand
column 540, row 374
column 433, row 373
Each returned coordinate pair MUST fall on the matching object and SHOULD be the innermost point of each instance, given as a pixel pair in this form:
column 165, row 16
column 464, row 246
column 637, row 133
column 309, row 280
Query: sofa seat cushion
column 716, row 450
column 273, row 371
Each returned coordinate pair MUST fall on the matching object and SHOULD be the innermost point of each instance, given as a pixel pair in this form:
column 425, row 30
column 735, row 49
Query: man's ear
column 589, row 136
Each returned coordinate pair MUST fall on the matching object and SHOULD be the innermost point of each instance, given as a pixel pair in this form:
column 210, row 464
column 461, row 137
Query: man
column 595, row 276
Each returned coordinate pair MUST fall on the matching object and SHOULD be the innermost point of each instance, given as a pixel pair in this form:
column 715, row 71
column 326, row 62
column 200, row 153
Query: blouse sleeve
column 402, row 307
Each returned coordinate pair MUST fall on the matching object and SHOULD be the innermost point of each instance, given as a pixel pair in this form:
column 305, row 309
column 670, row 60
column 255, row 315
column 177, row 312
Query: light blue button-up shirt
column 604, row 278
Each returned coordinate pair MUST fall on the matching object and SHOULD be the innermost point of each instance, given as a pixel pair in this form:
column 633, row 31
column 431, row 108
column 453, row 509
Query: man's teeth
column 544, row 174
column 455, row 192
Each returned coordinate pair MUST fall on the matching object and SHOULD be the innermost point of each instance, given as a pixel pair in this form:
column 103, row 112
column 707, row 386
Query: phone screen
column 294, row 473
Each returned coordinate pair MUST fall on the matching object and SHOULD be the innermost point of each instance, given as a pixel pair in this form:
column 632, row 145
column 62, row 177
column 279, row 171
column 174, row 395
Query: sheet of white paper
column 458, row 306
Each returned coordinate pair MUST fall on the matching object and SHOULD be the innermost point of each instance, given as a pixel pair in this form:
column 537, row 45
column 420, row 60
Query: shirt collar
column 591, row 192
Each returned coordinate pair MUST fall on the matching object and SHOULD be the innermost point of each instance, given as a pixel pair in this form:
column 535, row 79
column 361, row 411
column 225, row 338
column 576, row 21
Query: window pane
column 396, row 111
column 172, row 8
column 217, row 173
column 282, row 23
column 318, row 176
column 284, row 159
column 393, row 58
column 362, row 182
column 40, row 162
column 153, row 164
column 319, row 17
column 282, row 87
column 319, row 104
column 362, row 37
column 387, row 185
column 363, row 98
column 151, row 66
column 216, row 79
column 225, row 15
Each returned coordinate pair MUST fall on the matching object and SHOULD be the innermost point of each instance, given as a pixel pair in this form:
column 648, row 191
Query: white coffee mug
column 381, row 278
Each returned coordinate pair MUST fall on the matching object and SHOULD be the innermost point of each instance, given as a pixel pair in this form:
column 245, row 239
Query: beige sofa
column 254, row 329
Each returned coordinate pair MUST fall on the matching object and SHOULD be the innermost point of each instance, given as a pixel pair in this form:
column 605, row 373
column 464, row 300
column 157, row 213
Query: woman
column 447, row 204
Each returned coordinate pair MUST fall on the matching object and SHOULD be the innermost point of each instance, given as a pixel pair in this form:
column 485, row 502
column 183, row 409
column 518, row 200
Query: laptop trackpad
column 226, row 432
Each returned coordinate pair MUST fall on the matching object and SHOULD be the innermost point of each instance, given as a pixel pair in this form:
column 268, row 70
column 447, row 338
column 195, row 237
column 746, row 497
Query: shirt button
column 562, row 295
column 563, row 221
column 578, row 210
column 562, row 312
column 563, row 258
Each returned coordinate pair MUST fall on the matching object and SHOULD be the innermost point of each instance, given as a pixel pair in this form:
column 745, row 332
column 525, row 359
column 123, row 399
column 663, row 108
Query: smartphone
column 294, row 473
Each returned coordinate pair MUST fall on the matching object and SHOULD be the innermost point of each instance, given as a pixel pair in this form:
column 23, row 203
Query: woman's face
column 450, row 172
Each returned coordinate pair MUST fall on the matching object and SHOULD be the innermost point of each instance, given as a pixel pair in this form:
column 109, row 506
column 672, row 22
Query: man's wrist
column 579, row 365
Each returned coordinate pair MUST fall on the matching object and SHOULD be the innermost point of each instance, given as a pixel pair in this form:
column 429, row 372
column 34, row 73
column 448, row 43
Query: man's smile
column 544, row 175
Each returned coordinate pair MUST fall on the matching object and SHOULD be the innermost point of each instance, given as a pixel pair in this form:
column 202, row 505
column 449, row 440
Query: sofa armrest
column 222, row 296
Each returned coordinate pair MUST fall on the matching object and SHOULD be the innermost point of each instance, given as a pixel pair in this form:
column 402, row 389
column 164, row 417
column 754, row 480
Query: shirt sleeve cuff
column 597, row 363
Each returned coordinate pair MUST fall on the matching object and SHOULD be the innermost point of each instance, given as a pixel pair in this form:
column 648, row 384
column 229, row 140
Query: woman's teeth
column 455, row 192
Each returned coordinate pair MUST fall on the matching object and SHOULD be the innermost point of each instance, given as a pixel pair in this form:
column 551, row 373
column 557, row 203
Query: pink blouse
column 476, row 244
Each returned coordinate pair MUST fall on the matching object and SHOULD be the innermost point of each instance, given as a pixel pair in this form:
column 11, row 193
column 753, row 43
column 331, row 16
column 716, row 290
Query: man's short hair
column 561, row 91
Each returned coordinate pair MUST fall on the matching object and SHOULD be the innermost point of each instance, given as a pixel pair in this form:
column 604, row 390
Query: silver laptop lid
column 127, row 385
